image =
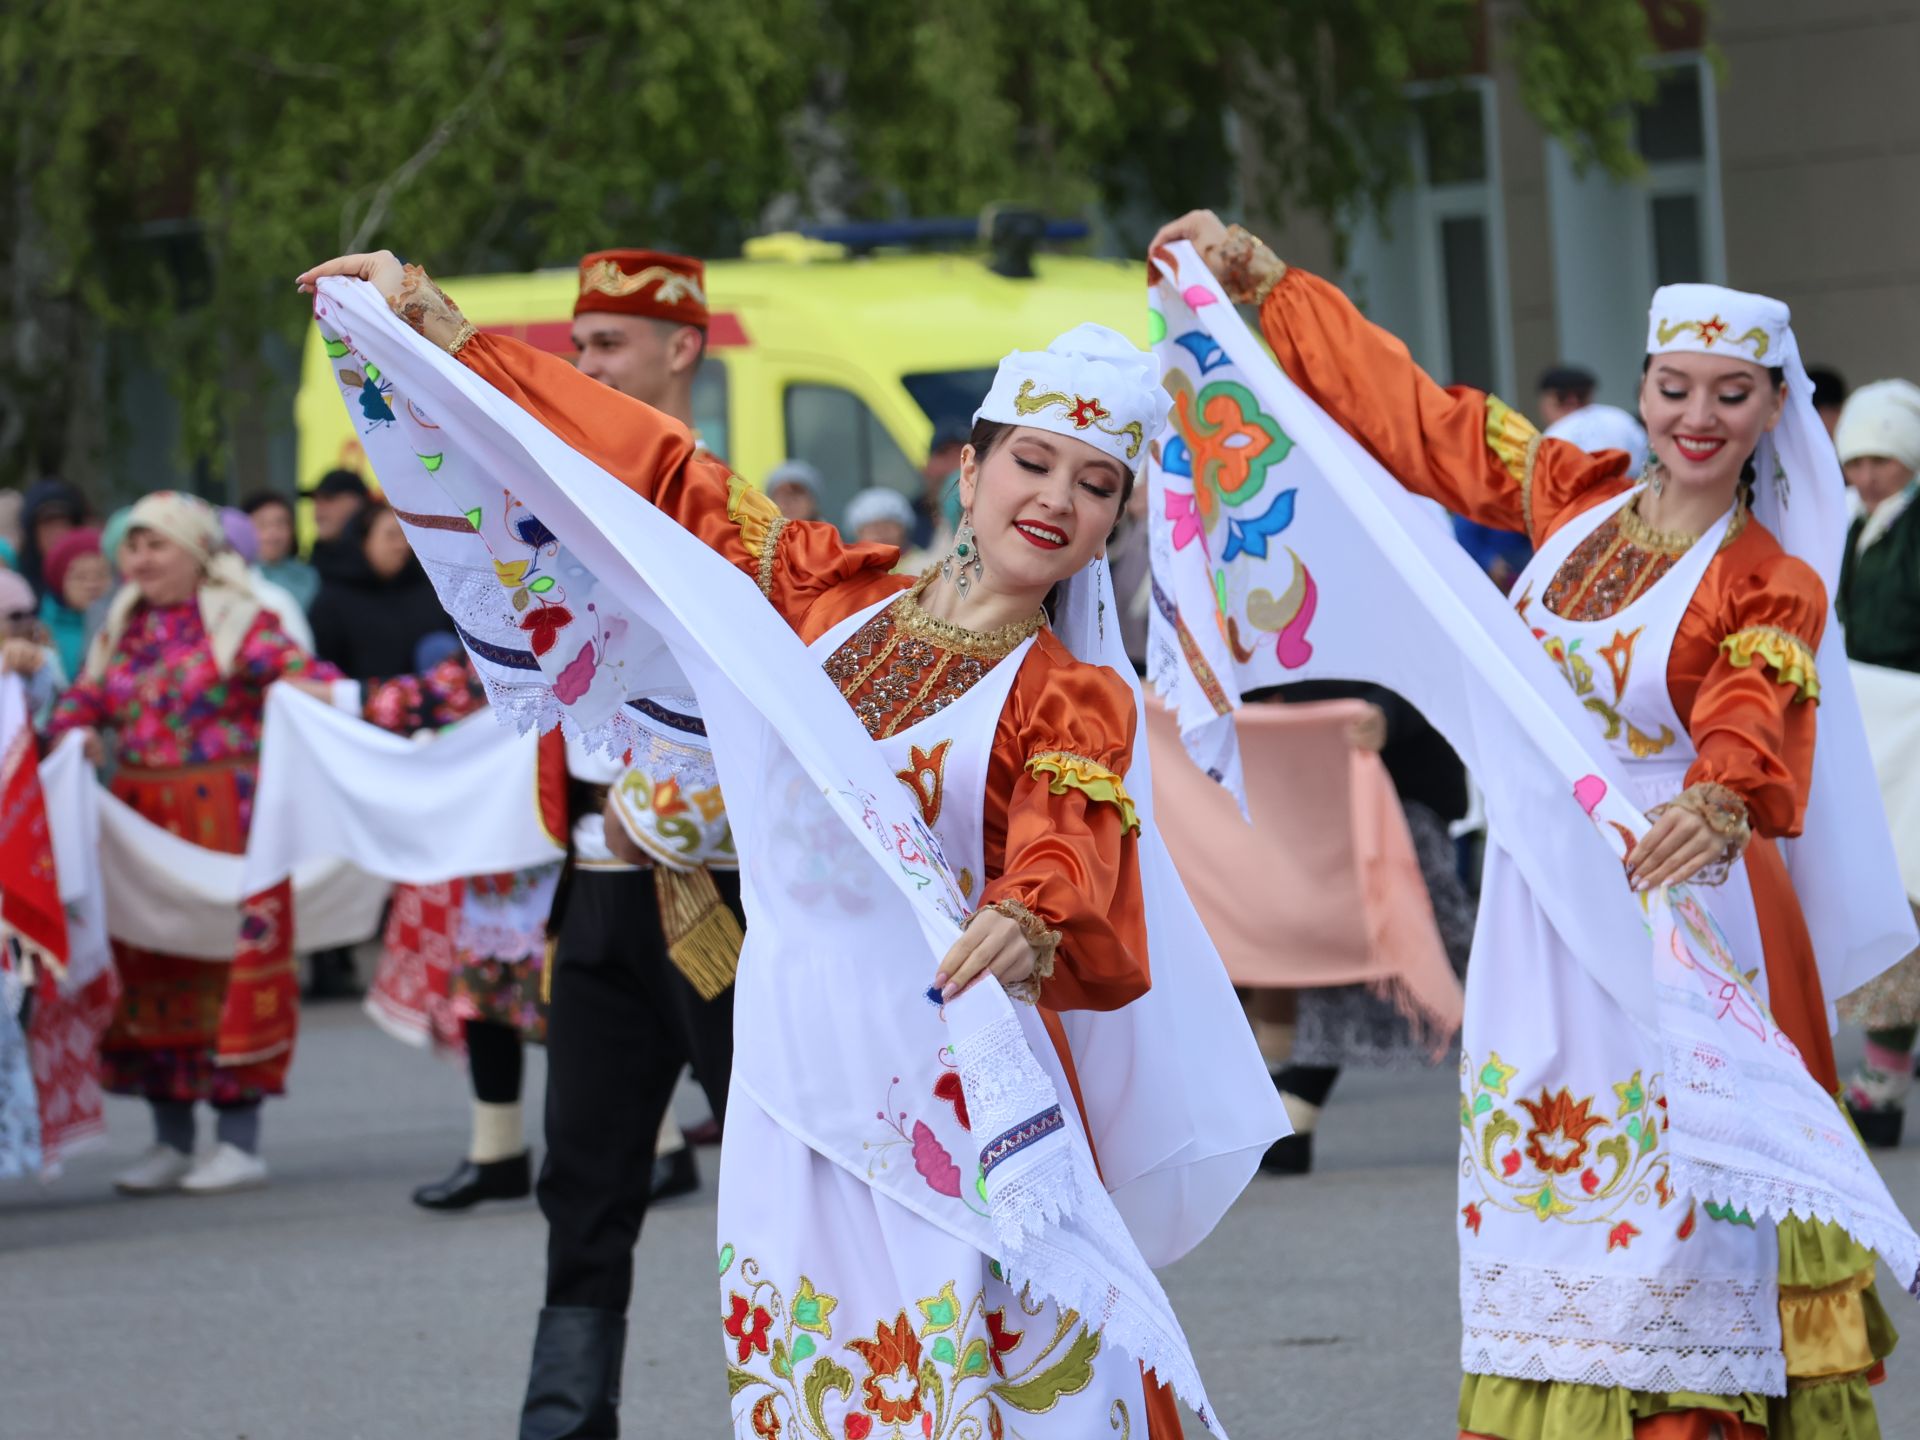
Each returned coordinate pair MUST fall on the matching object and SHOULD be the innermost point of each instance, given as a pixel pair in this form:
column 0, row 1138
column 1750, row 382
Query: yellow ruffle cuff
column 1069, row 771
column 1510, row 436
column 1786, row 654
column 759, row 522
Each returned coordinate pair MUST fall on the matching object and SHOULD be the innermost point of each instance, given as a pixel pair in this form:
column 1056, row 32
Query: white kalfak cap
column 1091, row 384
column 1713, row 320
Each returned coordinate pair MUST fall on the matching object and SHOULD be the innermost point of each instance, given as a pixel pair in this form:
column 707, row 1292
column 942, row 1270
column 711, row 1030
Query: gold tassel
column 703, row 937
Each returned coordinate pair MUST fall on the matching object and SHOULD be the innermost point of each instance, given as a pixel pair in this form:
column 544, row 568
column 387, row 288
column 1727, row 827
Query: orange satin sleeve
column 1470, row 451
column 796, row 565
column 1069, row 858
column 1752, row 724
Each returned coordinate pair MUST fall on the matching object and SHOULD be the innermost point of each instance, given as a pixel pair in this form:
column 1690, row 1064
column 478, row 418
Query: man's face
column 636, row 355
column 331, row 514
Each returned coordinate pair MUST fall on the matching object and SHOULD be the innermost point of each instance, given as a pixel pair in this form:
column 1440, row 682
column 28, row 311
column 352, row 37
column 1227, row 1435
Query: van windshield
column 949, row 397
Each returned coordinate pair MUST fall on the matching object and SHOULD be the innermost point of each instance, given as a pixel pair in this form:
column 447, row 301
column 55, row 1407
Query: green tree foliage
column 170, row 167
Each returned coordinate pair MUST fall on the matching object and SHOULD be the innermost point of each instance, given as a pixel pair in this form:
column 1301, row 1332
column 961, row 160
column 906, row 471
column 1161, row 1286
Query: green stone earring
column 962, row 566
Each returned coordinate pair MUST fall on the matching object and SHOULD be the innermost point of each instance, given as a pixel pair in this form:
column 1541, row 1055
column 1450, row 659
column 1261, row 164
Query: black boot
column 471, row 1182
column 573, row 1390
column 1289, row 1155
column 675, row 1174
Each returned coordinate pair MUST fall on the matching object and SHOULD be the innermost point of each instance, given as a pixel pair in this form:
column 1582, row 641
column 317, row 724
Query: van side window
column 710, row 405
column 835, row 431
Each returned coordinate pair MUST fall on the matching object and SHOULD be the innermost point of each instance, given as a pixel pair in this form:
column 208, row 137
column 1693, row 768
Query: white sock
column 670, row 1137
column 498, row 1133
column 1301, row 1114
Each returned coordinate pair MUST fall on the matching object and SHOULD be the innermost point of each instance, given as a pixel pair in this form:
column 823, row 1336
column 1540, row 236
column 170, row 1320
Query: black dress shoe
column 1289, row 1155
column 707, row 1132
column 470, row 1183
column 675, row 1174
column 573, row 1390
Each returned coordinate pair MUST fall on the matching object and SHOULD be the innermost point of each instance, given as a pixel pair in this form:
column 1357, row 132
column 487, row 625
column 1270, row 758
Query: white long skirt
column 848, row 1317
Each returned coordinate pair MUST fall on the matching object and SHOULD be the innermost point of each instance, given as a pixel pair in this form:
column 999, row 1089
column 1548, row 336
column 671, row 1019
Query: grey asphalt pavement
column 327, row 1308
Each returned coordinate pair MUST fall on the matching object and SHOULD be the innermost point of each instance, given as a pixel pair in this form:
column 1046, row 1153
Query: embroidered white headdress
column 1091, row 384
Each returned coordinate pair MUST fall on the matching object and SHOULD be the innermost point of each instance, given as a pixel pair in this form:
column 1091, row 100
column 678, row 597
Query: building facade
column 1781, row 154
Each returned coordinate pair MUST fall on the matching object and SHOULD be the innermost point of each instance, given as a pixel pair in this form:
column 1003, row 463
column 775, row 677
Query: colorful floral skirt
column 177, row 1013
column 845, row 1316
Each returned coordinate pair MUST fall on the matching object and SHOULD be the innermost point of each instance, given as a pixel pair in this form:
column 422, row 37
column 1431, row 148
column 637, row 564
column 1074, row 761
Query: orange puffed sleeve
column 796, row 565
column 1060, row 831
column 1472, row 452
column 1754, row 716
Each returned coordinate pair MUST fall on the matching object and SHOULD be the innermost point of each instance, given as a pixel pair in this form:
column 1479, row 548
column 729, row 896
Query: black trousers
column 622, row 1023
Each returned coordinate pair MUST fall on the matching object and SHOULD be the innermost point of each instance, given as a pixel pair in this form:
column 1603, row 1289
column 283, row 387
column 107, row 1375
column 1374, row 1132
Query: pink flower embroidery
column 1185, row 516
column 933, row 1162
column 577, row 678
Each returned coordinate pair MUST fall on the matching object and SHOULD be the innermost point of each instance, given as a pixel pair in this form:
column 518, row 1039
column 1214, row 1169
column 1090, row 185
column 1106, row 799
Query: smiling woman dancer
column 1016, row 751
column 1691, row 629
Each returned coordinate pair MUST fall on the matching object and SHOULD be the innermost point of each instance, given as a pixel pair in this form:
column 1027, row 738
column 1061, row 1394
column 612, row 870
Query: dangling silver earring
column 1654, row 474
column 962, row 566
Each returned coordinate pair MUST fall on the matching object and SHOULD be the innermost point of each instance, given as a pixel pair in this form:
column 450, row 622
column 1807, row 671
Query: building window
column 834, row 430
column 1615, row 242
column 1434, row 272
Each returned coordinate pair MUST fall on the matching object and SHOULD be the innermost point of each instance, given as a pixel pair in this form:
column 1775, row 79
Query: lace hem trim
column 1045, row 942
column 1717, row 1334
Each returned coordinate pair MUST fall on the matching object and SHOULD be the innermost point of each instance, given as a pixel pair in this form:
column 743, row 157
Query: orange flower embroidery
column 1557, row 1143
column 893, row 1356
column 1619, row 657
column 926, row 777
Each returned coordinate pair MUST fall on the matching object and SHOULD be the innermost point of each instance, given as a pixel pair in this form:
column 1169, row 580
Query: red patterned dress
column 187, row 741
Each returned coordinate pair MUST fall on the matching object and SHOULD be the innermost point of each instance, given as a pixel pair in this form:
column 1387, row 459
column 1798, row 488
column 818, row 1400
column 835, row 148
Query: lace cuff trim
column 1044, row 940
column 1248, row 269
column 1786, row 654
column 1726, row 815
column 425, row 306
column 1092, row 779
column 755, row 516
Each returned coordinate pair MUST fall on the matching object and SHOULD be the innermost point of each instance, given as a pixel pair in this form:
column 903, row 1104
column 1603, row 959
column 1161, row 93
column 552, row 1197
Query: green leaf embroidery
column 782, row 1363
column 824, row 1376
column 738, row 1380
column 433, row 463
column 942, row 1350
column 336, row 349
column 803, row 1347
column 542, row 585
column 1069, row 1375
column 974, row 1361
column 1482, row 1104
column 473, row 516
column 726, row 1258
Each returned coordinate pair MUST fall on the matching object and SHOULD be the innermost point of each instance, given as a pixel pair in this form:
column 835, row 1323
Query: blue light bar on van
column 870, row 235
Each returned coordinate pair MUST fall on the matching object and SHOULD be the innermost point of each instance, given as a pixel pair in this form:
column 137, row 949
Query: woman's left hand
column 318, row 689
column 1679, row 846
column 1203, row 229
column 381, row 269
column 991, row 944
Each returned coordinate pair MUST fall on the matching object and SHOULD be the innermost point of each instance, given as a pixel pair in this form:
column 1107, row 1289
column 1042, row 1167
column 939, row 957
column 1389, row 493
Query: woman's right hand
column 21, row 657
column 1203, row 229
column 381, row 269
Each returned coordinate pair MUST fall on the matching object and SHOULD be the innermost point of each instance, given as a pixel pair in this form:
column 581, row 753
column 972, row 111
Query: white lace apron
column 1579, row 1258
column 861, row 1251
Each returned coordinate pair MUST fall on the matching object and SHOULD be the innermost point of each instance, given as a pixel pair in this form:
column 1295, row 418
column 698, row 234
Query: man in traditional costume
column 645, row 952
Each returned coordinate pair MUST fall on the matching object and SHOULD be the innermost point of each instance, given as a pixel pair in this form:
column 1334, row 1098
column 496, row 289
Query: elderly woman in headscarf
column 179, row 675
column 1879, row 602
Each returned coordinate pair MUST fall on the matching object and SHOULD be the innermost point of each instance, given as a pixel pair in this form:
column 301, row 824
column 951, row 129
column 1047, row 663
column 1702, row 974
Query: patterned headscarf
column 227, row 604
